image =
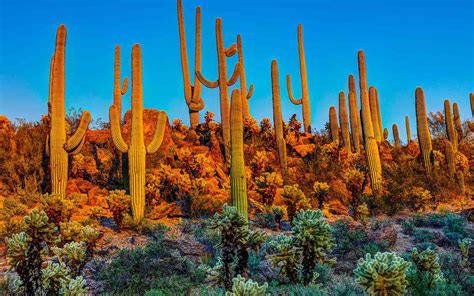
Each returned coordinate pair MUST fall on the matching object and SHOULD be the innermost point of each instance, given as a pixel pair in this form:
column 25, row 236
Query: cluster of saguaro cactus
column 192, row 93
column 278, row 120
column 371, row 147
column 243, row 82
column 396, row 136
column 57, row 146
column 238, row 182
column 450, row 130
column 424, row 136
column 407, row 126
column 136, row 149
column 334, row 128
column 304, row 101
column 450, row 159
column 344, row 122
column 223, row 83
column 374, row 113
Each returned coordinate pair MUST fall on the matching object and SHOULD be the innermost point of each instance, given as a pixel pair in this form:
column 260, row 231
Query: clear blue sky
column 407, row 43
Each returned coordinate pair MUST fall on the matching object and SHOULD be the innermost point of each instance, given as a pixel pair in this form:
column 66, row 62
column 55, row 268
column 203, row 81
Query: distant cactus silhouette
column 136, row 149
column 450, row 130
column 344, row 122
column 278, row 120
column 333, row 125
column 304, row 101
column 243, row 81
column 396, row 136
column 407, row 126
column 374, row 114
column 57, row 147
column 424, row 137
column 450, row 159
column 355, row 124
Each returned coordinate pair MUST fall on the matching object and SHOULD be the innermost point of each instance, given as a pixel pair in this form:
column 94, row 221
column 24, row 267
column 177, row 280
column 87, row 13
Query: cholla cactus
column 75, row 287
column 119, row 205
column 465, row 245
column 285, row 256
column 321, row 190
column 244, row 287
column 54, row 276
column 56, row 208
column 70, row 231
column 72, row 254
column 420, row 198
column 383, row 274
column 267, row 185
column 427, row 264
column 294, row 200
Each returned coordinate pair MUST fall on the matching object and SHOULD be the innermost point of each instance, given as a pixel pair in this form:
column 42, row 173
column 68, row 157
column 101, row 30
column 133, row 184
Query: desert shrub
column 320, row 191
column 56, row 208
column 425, row 235
column 265, row 220
column 119, row 205
column 267, row 186
column 464, row 247
column 455, row 274
column 419, row 198
column 345, row 286
column 294, row 199
column 408, row 227
column 295, row 289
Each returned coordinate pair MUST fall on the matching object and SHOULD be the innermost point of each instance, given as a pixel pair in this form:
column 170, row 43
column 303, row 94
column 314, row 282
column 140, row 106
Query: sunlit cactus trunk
column 450, row 130
column 374, row 114
column 304, row 101
column 407, row 126
column 450, row 159
column 57, row 145
column 344, row 122
column 457, row 121
column 118, row 91
column 192, row 94
column 334, row 128
column 136, row 149
column 355, row 113
column 471, row 100
column 396, row 136
column 243, row 81
column 423, row 132
column 278, row 121
column 354, row 118
column 238, row 182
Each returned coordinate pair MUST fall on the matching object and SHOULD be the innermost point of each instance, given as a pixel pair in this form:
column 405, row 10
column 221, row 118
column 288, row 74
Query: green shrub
column 408, row 227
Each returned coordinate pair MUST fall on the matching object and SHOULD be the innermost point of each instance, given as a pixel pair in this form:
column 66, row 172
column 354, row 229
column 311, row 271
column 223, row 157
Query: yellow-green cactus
column 407, row 126
column 374, row 114
column 450, row 130
column 396, row 136
column 450, row 159
column 457, row 121
column 278, row 121
column 136, row 149
column 424, row 137
column 304, row 101
column 238, row 182
column 58, row 146
column 243, row 82
column 333, row 125
column 223, row 84
column 354, row 117
column 192, row 93
column 344, row 122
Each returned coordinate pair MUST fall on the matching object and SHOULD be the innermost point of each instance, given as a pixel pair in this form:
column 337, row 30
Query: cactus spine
column 243, row 82
column 344, row 122
column 192, row 94
column 278, row 120
column 371, row 148
column 58, row 146
column 451, row 132
column 238, row 182
column 374, row 114
column 396, row 136
column 354, row 117
column 450, row 159
column 118, row 91
column 136, row 149
column 407, row 126
column 304, row 101
column 457, row 121
column 223, row 83
column 424, row 137
column 333, row 125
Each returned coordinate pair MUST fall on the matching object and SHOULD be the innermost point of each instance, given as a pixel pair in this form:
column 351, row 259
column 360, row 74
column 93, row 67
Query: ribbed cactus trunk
column 333, row 125
column 471, row 100
column 344, row 122
column 407, row 126
column 371, row 147
column 457, row 121
column 136, row 149
column 278, row 121
column 396, row 136
column 238, row 182
column 450, row 130
column 450, row 159
column 374, row 114
column 379, row 113
column 423, row 132
column 352, row 88
column 57, row 145
column 192, row 94
column 118, row 91
column 243, row 81
column 304, row 101
column 354, row 117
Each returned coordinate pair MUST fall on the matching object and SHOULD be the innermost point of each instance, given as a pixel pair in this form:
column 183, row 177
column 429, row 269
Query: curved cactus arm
column 115, row 129
column 207, row 83
column 124, row 86
column 159, row 134
column 235, row 76
column 75, row 140
column 196, row 107
column 46, row 147
column 250, row 92
column 231, row 50
column 78, row 149
column 290, row 92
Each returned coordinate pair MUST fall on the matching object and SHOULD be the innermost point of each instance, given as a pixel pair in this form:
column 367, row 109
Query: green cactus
column 424, row 137
column 355, row 113
column 354, row 117
column 427, row 268
column 333, row 125
column 223, row 84
column 450, row 130
column 407, row 126
column 118, row 91
column 320, row 190
column 285, row 256
column 450, row 159
column 396, row 136
column 465, row 246
column 246, row 95
column 294, row 200
column 374, row 113
column 192, row 93
column 344, row 122
column 379, row 114
column 57, row 146
column 244, row 287
column 136, row 149
column 304, row 101
column 457, row 121
column 278, row 121
column 384, row 274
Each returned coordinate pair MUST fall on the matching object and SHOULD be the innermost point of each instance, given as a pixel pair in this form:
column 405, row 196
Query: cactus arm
column 75, row 140
column 290, row 91
column 78, row 149
column 184, row 53
column 46, row 148
column 158, row 135
column 195, row 107
column 196, row 89
column 115, row 130
column 207, row 83
column 124, row 86
column 231, row 50
column 250, row 92
column 235, row 75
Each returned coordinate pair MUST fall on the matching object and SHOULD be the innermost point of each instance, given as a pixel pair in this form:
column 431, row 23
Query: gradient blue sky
column 407, row 43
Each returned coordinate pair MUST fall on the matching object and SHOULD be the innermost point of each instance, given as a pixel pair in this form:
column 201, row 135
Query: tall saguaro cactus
column 374, row 114
column 352, row 88
column 457, row 120
column 344, row 122
column 450, row 159
column 407, row 126
column 243, row 82
column 192, row 94
column 371, row 148
column 379, row 114
column 223, row 83
column 238, row 182
column 355, row 124
column 118, row 91
column 424, row 137
column 57, row 146
column 304, row 101
column 136, row 148
column 450, row 130
column 278, row 120
column 396, row 136
column 333, row 125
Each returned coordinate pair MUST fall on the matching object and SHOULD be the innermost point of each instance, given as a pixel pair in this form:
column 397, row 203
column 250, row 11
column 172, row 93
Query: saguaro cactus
column 136, row 148
column 354, row 117
column 450, row 130
column 450, row 159
column 371, row 148
column 385, row 134
column 304, row 101
column 192, row 94
column 424, row 137
column 238, row 182
column 333, row 125
column 57, row 145
column 396, row 136
column 243, row 82
column 223, row 83
column 471, row 100
column 407, row 126
column 278, row 120
column 374, row 114
column 457, row 121
column 344, row 122
column 355, row 114
column 118, row 91
column 379, row 114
